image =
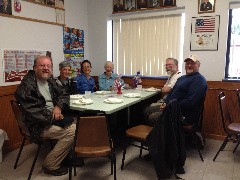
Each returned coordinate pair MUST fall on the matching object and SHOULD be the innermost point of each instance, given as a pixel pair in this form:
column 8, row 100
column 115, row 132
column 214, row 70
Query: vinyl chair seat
column 93, row 151
column 188, row 127
column 139, row 132
column 234, row 128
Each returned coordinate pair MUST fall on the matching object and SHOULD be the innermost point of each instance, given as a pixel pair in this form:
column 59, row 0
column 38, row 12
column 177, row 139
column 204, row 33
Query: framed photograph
column 50, row 2
column 169, row 2
column 118, row 5
column 6, row 7
column 141, row 4
column 155, row 3
column 205, row 33
column 129, row 5
column 206, row 6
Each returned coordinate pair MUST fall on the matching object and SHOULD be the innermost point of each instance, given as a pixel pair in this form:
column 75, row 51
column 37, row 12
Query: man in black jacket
column 45, row 112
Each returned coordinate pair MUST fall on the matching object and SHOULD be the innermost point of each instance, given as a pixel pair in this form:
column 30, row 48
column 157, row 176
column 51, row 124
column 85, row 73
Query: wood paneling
column 212, row 126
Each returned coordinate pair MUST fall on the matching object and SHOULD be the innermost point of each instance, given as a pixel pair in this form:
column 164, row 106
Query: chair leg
column 114, row 167
column 124, row 153
column 19, row 153
column 236, row 146
column 34, row 162
column 222, row 146
column 140, row 155
column 196, row 144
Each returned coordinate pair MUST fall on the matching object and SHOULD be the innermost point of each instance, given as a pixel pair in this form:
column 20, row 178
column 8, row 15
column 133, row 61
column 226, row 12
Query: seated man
column 63, row 80
column 45, row 112
column 153, row 111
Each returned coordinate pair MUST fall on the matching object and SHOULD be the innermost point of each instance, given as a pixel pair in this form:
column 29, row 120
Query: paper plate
column 132, row 95
column 76, row 96
column 152, row 89
column 83, row 101
column 102, row 92
column 113, row 100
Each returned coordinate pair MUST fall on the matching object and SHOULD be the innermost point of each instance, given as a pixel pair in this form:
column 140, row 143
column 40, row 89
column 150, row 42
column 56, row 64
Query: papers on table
column 102, row 92
column 83, row 101
column 152, row 89
column 77, row 96
column 132, row 95
column 113, row 100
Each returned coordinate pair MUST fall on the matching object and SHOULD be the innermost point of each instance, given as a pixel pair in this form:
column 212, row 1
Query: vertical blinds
column 145, row 43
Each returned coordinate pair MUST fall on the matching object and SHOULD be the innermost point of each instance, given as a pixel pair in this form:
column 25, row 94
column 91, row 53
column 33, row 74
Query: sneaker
column 57, row 172
column 180, row 170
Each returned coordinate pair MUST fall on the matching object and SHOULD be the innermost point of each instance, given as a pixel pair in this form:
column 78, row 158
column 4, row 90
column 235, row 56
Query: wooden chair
column 195, row 129
column 92, row 139
column 138, row 133
column 231, row 129
column 26, row 136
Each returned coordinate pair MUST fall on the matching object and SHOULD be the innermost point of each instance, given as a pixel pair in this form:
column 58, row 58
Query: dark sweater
column 189, row 90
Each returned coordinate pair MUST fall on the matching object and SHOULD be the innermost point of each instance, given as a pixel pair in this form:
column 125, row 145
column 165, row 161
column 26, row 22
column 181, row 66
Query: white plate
column 83, row 101
column 113, row 100
column 132, row 95
column 152, row 89
column 102, row 92
column 76, row 96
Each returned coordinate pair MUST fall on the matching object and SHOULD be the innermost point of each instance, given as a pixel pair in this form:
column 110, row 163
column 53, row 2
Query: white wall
column 212, row 63
column 18, row 34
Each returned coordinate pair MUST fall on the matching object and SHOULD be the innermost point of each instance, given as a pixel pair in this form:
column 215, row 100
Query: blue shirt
column 84, row 84
column 105, row 84
column 189, row 90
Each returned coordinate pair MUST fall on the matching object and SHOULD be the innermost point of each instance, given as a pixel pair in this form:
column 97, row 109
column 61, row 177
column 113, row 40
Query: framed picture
column 118, row 5
column 60, row 16
column 206, row 6
column 6, row 7
column 169, row 2
column 129, row 5
column 205, row 33
column 155, row 3
column 142, row 4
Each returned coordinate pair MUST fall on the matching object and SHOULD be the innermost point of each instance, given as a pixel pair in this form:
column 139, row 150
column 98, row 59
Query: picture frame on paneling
column 155, row 3
column 206, row 6
column 59, row 3
column 6, row 7
column 51, row 3
column 129, row 5
column 40, row 1
column 141, row 4
column 169, row 2
column 60, row 16
column 118, row 5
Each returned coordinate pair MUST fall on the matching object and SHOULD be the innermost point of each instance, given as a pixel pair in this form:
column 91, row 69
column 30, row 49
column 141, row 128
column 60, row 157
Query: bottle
column 137, row 80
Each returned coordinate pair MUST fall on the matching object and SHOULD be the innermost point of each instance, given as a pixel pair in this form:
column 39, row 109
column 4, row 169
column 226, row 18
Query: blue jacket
column 104, row 83
column 84, row 84
column 189, row 90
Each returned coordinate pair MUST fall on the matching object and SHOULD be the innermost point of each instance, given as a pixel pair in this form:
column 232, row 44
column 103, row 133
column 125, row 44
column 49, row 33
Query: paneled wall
column 212, row 127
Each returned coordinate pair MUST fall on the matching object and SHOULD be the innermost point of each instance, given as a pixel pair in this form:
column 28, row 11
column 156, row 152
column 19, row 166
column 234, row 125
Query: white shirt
column 173, row 79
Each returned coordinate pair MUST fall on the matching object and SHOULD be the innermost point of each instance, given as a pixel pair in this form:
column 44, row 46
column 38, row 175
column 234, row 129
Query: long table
column 99, row 104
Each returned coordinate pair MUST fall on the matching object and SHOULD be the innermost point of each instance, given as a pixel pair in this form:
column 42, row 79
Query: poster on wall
column 18, row 62
column 205, row 32
column 73, row 47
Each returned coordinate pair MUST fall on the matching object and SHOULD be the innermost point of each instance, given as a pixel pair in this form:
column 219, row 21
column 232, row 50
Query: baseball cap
column 194, row 58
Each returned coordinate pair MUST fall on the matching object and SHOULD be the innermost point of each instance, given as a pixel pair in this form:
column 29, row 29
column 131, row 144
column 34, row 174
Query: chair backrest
column 199, row 125
column 225, row 114
column 238, row 96
column 92, row 131
column 18, row 116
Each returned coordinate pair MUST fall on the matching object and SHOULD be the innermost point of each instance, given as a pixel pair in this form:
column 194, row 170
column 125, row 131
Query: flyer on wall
column 73, row 46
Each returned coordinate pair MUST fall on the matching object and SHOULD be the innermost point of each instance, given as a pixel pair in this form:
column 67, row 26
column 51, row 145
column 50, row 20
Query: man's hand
column 162, row 106
column 57, row 113
column 166, row 89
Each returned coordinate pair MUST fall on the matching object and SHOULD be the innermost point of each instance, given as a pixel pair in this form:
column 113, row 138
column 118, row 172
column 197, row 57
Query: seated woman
column 84, row 81
column 64, row 80
column 106, row 80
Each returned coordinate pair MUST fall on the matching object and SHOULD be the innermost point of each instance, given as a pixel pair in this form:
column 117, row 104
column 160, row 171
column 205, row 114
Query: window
column 145, row 43
column 232, row 70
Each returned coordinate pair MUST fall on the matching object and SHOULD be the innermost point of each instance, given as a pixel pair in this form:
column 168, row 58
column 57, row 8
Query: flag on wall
column 205, row 25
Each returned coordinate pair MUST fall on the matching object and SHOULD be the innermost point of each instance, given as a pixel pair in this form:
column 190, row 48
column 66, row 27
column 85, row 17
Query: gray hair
column 109, row 62
column 41, row 57
column 64, row 64
column 174, row 60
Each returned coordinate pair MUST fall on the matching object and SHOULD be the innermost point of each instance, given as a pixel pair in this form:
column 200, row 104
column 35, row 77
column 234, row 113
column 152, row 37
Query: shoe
column 78, row 162
column 180, row 170
column 148, row 157
column 57, row 172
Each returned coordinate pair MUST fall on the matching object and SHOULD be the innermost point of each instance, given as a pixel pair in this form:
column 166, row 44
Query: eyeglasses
column 165, row 65
column 86, row 67
column 45, row 66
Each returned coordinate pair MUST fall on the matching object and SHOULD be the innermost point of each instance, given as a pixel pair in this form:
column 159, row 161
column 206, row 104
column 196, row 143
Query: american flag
column 205, row 25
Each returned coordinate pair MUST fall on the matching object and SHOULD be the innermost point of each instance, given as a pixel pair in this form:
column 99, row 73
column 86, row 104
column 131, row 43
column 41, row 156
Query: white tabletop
column 99, row 104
